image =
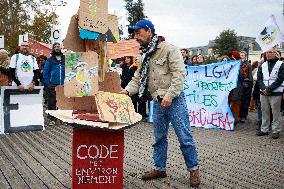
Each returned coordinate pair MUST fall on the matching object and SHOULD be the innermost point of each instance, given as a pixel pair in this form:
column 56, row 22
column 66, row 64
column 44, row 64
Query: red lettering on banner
column 204, row 117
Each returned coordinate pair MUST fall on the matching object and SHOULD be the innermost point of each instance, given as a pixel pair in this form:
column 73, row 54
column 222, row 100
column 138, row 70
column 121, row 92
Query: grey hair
column 4, row 51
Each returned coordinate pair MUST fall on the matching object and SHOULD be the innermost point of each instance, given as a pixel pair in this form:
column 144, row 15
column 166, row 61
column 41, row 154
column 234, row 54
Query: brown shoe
column 275, row 135
column 154, row 174
column 194, row 178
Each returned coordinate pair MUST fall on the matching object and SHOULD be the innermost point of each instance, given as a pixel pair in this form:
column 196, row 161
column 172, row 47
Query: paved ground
column 236, row 159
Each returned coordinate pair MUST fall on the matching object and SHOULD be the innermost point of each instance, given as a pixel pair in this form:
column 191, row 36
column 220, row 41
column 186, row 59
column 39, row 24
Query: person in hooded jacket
column 53, row 74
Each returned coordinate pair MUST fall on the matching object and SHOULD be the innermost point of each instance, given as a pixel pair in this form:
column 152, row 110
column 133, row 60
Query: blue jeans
column 177, row 115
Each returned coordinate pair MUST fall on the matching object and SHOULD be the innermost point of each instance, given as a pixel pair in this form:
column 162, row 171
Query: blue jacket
column 54, row 71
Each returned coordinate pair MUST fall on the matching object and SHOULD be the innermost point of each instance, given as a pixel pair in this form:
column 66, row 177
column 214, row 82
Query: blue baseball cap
column 142, row 24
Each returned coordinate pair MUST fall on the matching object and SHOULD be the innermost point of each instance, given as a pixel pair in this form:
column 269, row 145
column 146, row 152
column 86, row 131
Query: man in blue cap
column 162, row 74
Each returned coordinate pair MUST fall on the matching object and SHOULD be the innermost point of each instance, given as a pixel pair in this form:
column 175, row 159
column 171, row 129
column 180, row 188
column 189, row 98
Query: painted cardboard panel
column 68, row 117
column 118, row 108
column 123, row 48
column 111, row 83
column 99, row 46
column 81, row 78
column 113, row 26
column 93, row 15
column 97, row 159
column 72, row 40
column 87, row 103
column 103, row 65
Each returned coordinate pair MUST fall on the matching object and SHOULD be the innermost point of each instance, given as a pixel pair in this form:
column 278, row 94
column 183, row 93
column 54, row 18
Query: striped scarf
column 147, row 54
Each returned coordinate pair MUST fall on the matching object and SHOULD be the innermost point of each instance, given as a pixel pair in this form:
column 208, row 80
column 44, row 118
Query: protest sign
column 81, row 78
column 38, row 48
column 97, row 159
column 207, row 88
column 270, row 35
column 2, row 42
column 56, row 35
column 16, row 108
column 23, row 38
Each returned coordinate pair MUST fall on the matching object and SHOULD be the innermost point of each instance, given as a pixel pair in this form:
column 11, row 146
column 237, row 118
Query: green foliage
column 35, row 17
column 135, row 11
column 225, row 42
column 210, row 59
column 72, row 60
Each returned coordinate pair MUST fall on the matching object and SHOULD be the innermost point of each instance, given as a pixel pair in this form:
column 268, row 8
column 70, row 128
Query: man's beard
column 57, row 52
column 25, row 51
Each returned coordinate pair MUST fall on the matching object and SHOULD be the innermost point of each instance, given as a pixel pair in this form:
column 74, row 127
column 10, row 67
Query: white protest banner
column 1, row 41
column 207, row 88
column 56, row 35
column 23, row 38
column 270, row 35
column 16, row 108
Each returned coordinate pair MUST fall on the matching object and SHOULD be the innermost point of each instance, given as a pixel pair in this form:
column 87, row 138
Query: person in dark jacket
column 245, row 83
column 128, row 69
column 54, row 74
column 185, row 56
column 270, row 77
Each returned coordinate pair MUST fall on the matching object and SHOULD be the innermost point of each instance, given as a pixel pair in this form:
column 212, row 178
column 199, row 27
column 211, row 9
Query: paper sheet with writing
column 207, row 88
column 93, row 15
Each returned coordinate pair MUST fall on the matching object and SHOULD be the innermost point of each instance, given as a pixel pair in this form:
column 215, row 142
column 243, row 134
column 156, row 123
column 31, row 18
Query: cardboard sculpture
column 88, row 83
column 81, row 78
column 91, row 102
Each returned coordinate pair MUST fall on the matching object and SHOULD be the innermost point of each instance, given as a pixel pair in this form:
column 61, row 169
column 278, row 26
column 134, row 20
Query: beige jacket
column 166, row 73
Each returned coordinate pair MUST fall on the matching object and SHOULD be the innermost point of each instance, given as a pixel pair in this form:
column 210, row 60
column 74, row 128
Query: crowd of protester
column 25, row 70
column 252, row 94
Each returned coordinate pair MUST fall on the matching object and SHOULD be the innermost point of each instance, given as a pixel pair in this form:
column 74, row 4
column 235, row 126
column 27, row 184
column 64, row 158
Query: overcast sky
column 190, row 23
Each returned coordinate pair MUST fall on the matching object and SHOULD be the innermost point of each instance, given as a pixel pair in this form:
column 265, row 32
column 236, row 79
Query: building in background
column 247, row 44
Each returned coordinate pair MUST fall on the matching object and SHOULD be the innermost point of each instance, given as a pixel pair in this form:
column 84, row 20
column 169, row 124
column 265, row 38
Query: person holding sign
column 162, row 74
column 24, row 68
column 270, row 77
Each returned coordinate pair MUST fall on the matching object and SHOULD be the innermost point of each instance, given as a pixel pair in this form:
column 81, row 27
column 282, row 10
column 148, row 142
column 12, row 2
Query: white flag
column 270, row 35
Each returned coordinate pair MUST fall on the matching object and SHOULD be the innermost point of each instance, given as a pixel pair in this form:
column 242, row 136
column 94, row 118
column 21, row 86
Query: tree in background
column 27, row 16
column 225, row 42
column 135, row 11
